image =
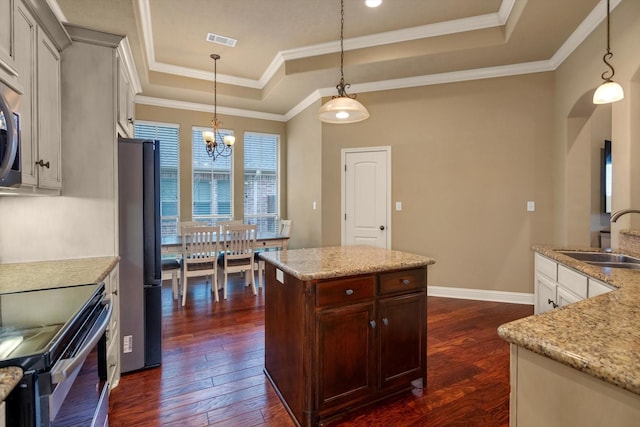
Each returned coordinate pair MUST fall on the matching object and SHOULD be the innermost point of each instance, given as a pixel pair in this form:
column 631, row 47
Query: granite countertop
column 9, row 378
column 339, row 261
column 27, row 276
column 598, row 336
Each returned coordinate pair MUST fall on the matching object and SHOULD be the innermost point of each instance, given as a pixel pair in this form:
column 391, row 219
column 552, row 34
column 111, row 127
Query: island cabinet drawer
column 344, row 291
column 572, row 281
column 403, row 281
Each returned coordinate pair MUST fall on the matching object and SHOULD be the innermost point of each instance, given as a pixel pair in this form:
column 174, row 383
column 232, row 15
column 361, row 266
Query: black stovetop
column 36, row 327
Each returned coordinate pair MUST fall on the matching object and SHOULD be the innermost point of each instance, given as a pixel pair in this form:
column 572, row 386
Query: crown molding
column 194, row 106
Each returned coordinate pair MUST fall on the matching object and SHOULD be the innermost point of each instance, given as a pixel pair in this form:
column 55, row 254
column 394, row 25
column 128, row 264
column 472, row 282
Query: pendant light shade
column 342, row 108
column 609, row 91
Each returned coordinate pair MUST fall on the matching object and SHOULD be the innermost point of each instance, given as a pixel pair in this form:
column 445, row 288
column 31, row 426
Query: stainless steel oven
column 10, row 163
column 57, row 336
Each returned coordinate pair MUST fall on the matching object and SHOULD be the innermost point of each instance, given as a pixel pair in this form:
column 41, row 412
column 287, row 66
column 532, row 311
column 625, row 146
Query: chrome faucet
column 618, row 214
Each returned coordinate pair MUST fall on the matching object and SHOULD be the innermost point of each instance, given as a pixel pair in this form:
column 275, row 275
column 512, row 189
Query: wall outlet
column 279, row 275
column 398, row 206
column 531, row 206
column 127, row 345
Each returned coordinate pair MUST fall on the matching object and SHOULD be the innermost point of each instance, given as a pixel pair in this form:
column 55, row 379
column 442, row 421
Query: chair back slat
column 240, row 241
column 200, row 244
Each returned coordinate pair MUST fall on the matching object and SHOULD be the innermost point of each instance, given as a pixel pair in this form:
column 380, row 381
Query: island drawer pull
column 385, row 321
column 349, row 292
column 406, row 282
column 372, row 323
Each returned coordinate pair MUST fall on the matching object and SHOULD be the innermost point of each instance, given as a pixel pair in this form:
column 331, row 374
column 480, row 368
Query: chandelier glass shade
column 215, row 144
column 342, row 108
column 609, row 91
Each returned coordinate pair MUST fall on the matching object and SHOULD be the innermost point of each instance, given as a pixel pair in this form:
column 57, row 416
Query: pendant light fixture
column 609, row 91
column 215, row 144
column 342, row 108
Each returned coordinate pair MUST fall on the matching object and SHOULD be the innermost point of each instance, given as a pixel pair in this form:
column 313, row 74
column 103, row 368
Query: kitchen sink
column 605, row 259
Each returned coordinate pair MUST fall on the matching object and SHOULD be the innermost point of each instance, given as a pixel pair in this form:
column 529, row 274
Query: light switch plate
column 398, row 206
column 531, row 206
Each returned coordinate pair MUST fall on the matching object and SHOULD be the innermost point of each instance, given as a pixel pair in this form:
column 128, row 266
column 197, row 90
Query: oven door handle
column 64, row 368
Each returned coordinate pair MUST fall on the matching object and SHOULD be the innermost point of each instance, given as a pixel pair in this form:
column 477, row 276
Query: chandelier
column 609, row 91
column 342, row 108
column 215, row 144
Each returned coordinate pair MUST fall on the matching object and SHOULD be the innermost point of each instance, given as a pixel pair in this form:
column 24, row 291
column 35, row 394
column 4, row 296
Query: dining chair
column 285, row 230
column 238, row 242
column 171, row 263
column 200, row 247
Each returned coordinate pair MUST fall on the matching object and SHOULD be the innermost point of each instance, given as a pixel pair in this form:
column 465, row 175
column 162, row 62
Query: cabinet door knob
column 406, row 282
column 382, row 227
column 550, row 301
column 130, row 120
column 41, row 163
column 385, row 321
column 349, row 292
column 372, row 323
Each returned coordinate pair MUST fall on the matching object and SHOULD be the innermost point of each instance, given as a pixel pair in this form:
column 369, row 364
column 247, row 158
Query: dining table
column 264, row 239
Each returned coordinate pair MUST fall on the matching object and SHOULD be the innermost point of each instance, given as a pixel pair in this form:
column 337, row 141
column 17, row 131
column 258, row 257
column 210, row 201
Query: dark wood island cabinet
column 344, row 327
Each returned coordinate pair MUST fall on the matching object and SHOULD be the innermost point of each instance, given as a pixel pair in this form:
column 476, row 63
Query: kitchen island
column 344, row 327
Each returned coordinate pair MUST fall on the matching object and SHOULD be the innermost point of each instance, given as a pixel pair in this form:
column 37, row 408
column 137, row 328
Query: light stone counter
column 599, row 336
column 26, row 276
column 340, row 261
column 9, row 378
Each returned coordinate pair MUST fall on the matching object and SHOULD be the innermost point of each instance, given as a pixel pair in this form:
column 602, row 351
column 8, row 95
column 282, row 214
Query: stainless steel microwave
column 10, row 161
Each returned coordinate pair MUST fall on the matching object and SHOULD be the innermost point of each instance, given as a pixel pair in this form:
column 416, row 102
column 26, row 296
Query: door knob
column 382, row 227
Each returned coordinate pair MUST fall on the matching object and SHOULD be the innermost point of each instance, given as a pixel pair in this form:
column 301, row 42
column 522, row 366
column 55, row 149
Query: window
column 261, row 180
column 212, row 182
column 168, row 135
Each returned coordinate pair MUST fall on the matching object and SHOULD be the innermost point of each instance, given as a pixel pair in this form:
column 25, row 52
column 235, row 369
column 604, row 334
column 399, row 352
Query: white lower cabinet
column 557, row 285
column 112, row 283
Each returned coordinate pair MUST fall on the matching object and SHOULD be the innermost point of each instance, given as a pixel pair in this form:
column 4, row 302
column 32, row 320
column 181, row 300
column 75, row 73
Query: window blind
column 261, row 180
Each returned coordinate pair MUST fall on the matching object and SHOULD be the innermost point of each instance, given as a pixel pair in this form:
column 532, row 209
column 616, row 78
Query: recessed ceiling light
column 223, row 40
column 373, row 3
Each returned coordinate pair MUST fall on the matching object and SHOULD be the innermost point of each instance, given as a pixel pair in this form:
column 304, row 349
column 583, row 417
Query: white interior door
column 366, row 197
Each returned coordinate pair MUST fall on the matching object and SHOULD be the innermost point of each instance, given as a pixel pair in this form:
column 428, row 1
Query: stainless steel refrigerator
column 140, row 262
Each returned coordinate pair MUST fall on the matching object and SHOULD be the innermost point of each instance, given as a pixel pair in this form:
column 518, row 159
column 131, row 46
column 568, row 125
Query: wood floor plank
column 213, row 361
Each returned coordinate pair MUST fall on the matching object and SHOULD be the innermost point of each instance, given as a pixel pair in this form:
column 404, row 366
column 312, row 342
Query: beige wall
column 186, row 119
column 304, row 184
column 576, row 126
column 466, row 158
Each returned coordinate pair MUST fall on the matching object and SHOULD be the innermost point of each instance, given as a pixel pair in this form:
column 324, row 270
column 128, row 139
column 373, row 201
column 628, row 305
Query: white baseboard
column 481, row 295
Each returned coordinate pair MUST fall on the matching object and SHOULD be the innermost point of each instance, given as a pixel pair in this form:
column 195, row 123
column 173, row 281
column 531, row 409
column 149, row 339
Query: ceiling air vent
column 223, row 40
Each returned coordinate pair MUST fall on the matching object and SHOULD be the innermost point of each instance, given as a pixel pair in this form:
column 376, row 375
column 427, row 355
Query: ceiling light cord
column 342, row 86
column 607, row 56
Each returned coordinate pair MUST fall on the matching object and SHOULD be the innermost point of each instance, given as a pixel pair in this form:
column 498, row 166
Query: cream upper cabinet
column 126, row 106
column 48, row 157
column 6, row 33
column 25, row 39
column 37, row 62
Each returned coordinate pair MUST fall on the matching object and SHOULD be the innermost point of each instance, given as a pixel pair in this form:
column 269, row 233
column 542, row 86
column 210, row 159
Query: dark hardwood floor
column 213, row 356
